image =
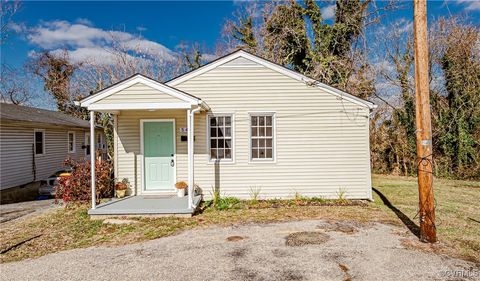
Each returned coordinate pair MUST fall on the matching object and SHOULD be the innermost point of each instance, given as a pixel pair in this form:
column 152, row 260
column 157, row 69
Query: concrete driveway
column 9, row 212
column 253, row 252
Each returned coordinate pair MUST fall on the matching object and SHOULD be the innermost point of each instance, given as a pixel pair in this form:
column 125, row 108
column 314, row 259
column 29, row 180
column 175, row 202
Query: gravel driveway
column 14, row 211
column 347, row 251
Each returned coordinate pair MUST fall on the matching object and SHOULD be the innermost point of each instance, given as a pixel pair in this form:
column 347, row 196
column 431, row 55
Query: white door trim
column 142, row 159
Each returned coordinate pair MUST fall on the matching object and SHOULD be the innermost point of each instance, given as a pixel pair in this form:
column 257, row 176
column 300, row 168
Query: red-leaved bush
column 77, row 188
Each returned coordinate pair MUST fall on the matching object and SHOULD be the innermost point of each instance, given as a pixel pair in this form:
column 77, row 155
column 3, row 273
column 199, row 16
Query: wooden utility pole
column 428, row 232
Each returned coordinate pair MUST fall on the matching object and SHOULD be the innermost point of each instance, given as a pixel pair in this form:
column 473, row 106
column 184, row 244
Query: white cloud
column 328, row 12
column 85, row 42
column 17, row 27
column 84, row 21
column 471, row 5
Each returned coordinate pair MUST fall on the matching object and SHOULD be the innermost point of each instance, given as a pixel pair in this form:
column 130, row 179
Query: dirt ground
column 300, row 250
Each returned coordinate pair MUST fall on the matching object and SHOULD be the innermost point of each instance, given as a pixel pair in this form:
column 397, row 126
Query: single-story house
column 240, row 125
column 34, row 144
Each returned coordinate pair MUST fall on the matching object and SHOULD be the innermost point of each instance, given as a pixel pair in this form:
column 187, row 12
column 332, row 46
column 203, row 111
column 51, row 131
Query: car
column 47, row 187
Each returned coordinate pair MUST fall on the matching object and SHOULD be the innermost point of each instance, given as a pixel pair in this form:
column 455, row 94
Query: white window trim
column 74, row 142
column 43, row 143
column 222, row 161
column 274, row 141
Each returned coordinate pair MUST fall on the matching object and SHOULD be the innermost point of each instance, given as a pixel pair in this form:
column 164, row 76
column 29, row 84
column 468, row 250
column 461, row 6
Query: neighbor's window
column 71, row 142
column 39, row 142
column 220, row 137
column 99, row 141
column 262, row 136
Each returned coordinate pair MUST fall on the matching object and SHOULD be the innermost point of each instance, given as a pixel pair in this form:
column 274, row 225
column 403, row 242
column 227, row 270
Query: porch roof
column 178, row 99
column 146, row 205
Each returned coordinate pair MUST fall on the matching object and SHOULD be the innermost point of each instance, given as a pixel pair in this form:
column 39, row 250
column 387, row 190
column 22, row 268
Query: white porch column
column 190, row 157
column 92, row 155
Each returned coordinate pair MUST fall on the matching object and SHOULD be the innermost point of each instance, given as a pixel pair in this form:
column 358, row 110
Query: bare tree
column 7, row 10
column 15, row 85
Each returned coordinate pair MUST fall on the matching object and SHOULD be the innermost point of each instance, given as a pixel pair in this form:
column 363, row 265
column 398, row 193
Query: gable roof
column 15, row 112
column 271, row 65
column 139, row 78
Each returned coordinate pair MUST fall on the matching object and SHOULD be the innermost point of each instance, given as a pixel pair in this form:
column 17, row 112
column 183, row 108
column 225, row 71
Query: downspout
column 191, row 136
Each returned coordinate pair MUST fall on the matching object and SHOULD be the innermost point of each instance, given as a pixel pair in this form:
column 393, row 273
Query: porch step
column 146, row 206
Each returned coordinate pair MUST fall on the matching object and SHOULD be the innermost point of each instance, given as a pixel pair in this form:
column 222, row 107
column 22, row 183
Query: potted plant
column 121, row 188
column 181, row 186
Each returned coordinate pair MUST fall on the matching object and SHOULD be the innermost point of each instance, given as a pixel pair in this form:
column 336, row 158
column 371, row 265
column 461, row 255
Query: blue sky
column 165, row 23
column 159, row 27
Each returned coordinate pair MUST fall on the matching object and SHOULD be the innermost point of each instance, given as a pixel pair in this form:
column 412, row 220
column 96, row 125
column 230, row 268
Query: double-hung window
column 262, row 142
column 39, row 142
column 71, row 142
column 220, row 141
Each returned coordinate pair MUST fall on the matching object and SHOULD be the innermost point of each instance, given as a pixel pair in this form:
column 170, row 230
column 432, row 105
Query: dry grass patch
column 457, row 212
column 306, row 238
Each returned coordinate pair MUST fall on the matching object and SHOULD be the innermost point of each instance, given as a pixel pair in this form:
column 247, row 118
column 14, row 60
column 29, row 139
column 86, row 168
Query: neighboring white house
column 35, row 142
column 258, row 126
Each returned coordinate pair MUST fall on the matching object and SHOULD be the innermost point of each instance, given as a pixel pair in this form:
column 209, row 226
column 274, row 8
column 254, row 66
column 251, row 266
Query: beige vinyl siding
column 322, row 146
column 139, row 93
column 16, row 140
column 322, row 141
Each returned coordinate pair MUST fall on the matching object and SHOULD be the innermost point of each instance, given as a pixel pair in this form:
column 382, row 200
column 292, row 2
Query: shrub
column 77, row 188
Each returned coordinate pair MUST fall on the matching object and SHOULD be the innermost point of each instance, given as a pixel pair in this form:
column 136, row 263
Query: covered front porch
column 153, row 146
column 146, row 205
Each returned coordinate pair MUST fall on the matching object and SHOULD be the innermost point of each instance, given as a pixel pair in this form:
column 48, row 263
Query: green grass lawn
column 457, row 213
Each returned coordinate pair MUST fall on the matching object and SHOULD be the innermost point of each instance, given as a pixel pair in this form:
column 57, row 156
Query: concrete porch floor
column 146, row 205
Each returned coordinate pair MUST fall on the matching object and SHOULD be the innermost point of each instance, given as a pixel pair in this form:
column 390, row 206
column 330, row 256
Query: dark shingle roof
column 30, row 114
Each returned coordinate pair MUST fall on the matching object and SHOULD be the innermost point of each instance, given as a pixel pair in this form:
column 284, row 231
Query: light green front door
column 159, row 151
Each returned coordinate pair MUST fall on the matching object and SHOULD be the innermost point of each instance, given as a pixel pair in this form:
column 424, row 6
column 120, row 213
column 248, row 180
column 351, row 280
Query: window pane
column 254, row 121
column 269, row 153
column 261, row 143
column 261, row 131
column 228, row 121
column 254, row 153
column 268, row 143
column 255, row 143
column 213, row 143
column 261, row 120
column 228, row 153
column 261, row 153
column 221, row 143
column 268, row 132
column 213, row 132
column 220, row 154
column 228, row 132
column 268, row 120
column 220, row 121
column 254, row 131
column 220, row 132
column 213, row 121
column 213, row 153
column 38, row 143
column 228, row 143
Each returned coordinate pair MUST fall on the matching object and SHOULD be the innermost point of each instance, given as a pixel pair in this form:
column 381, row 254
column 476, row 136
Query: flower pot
column 181, row 192
column 120, row 193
